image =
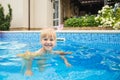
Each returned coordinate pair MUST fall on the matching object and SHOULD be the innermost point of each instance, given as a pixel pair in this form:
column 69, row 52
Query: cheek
column 42, row 42
column 54, row 43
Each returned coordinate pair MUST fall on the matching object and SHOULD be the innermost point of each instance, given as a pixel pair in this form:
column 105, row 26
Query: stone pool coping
column 72, row 31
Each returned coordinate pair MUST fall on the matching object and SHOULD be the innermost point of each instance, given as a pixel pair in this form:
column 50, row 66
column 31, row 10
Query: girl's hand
column 68, row 64
column 28, row 73
column 26, row 55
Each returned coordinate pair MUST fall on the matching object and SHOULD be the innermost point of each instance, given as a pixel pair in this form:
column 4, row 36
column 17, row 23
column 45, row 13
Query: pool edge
column 71, row 31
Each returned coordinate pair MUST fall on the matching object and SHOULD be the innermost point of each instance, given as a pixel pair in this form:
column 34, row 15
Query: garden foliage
column 108, row 16
column 87, row 20
column 5, row 19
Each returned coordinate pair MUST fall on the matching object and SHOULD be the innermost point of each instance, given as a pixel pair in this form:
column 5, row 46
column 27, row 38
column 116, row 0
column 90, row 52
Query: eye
column 45, row 39
column 51, row 39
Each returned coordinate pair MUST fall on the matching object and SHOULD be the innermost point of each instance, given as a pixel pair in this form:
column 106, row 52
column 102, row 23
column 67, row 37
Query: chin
column 48, row 49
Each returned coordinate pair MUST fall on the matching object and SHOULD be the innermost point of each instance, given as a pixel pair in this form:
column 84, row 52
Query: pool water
column 95, row 56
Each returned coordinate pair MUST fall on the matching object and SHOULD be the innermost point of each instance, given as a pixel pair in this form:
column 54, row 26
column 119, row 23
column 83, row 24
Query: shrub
column 87, row 20
column 5, row 19
column 117, row 15
column 117, row 26
column 105, row 17
column 108, row 16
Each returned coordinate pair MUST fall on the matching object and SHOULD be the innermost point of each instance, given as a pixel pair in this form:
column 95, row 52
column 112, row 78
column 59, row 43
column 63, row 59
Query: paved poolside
column 65, row 28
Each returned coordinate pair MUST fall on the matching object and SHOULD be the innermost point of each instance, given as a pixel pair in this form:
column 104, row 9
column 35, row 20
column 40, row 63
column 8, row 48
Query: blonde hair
column 48, row 32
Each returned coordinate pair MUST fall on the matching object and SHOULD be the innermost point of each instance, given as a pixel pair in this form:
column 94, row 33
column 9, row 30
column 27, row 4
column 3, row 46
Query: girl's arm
column 65, row 61
column 27, row 62
column 29, row 55
column 63, row 57
column 28, row 66
column 61, row 52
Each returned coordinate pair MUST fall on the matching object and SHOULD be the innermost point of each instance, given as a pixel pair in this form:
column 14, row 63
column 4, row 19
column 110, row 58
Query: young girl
column 48, row 41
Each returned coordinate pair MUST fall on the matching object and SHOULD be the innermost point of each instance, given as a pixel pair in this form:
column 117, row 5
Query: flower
column 117, row 26
column 106, row 17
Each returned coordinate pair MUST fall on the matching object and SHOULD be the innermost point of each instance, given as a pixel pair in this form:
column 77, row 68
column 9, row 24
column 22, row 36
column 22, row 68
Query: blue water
column 95, row 56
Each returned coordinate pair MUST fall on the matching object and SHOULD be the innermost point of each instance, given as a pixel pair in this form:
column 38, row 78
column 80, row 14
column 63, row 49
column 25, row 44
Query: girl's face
column 48, row 43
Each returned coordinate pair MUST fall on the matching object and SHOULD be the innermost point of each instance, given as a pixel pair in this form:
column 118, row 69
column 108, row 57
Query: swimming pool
column 96, row 56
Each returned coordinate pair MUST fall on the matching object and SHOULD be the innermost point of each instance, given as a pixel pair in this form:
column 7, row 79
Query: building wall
column 41, row 13
column 20, row 17
column 49, row 13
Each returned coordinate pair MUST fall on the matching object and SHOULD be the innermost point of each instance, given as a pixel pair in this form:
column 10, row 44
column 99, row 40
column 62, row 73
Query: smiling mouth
column 48, row 45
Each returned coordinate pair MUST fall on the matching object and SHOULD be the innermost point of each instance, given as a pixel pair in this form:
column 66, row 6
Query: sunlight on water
column 11, row 45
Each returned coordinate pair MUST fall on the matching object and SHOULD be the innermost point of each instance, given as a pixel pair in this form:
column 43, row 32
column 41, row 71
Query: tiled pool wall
column 81, row 37
column 20, row 36
column 91, row 37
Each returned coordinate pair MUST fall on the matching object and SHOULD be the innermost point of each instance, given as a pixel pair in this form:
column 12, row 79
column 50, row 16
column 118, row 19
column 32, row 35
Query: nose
column 48, row 41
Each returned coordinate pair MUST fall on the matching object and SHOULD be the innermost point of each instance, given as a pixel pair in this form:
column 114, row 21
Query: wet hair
column 48, row 32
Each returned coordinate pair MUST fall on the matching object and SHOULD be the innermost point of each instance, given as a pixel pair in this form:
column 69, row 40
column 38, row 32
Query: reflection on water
column 11, row 45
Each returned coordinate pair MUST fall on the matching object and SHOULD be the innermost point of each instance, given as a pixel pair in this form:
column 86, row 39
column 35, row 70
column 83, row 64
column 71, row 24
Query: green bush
column 5, row 20
column 109, row 17
column 72, row 22
column 105, row 16
column 87, row 20
column 117, row 15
